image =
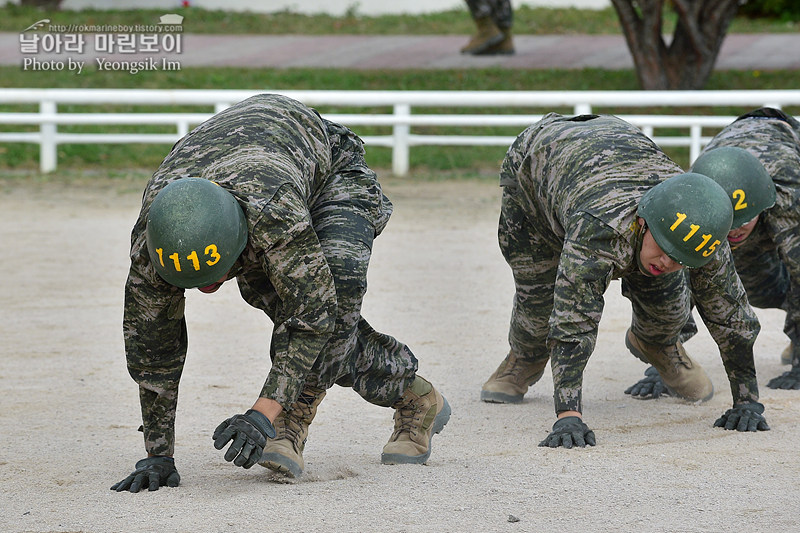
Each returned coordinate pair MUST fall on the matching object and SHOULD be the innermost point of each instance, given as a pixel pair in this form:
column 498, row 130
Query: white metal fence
column 401, row 119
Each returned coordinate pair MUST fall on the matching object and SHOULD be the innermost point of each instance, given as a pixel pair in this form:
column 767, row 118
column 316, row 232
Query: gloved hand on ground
column 568, row 432
column 649, row 387
column 153, row 472
column 744, row 417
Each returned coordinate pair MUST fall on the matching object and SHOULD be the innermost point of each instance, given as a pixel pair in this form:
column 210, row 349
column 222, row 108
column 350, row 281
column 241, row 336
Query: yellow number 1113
column 210, row 251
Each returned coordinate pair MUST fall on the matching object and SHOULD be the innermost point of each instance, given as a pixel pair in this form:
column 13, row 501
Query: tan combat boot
column 419, row 415
column 284, row 453
column 504, row 47
column 488, row 35
column 682, row 376
column 511, row 380
column 786, row 355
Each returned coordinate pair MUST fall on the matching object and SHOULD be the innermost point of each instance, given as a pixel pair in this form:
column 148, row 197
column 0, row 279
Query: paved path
column 739, row 51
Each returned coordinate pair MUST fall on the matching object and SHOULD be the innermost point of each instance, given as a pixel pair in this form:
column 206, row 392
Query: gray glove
column 744, row 417
column 249, row 433
column 787, row 381
column 155, row 471
column 651, row 386
column 569, row 431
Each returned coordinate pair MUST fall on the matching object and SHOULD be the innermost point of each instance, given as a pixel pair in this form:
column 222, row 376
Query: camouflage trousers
column 767, row 281
column 660, row 304
column 763, row 275
column 348, row 211
column 499, row 11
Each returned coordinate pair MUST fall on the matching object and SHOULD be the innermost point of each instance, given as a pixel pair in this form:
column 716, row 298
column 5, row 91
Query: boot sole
column 438, row 424
column 639, row 355
column 282, row 465
column 500, row 397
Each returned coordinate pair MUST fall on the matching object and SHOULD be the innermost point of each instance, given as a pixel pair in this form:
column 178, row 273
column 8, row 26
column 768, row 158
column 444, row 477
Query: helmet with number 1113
column 196, row 231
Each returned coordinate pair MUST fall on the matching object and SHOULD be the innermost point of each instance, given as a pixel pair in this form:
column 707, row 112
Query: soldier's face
column 653, row 258
column 214, row 287
column 737, row 235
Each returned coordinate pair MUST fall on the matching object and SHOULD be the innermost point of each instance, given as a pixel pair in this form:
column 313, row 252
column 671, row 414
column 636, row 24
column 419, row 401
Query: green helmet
column 743, row 177
column 195, row 232
column 689, row 215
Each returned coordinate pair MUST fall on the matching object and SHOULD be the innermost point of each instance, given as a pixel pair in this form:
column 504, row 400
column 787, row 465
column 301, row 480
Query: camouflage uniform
column 568, row 226
column 313, row 208
column 499, row 11
column 768, row 261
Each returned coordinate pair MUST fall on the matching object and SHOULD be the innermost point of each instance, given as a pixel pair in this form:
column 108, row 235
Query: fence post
column 400, row 148
column 48, row 148
column 583, row 108
column 695, row 134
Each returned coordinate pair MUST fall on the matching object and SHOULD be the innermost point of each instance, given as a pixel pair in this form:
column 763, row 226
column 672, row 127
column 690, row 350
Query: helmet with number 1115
column 689, row 215
column 744, row 178
column 196, row 231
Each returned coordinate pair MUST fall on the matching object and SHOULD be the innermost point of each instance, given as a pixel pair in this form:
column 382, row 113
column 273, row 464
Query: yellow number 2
column 738, row 194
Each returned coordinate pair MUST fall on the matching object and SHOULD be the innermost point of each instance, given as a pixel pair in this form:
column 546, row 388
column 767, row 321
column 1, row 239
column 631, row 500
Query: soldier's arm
column 296, row 266
column 154, row 330
column 586, row 267
column 722, row 303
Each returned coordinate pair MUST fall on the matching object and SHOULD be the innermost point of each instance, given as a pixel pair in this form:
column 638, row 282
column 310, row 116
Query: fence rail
column 401, row 120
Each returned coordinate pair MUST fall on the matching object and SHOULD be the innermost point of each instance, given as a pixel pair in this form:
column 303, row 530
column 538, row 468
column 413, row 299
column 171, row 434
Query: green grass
column 430, row 161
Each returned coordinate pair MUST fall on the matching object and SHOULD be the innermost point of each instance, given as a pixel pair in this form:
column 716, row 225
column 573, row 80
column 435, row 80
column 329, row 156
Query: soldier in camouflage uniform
column 589, row 199
column 307, row 210
column 493, row 18
column 765, row 244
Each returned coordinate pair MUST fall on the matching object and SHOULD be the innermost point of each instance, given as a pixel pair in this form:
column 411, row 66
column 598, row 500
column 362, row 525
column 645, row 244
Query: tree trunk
column 688, row 60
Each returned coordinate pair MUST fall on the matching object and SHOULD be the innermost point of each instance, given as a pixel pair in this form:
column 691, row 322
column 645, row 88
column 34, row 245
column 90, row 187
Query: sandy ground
column 70, row 411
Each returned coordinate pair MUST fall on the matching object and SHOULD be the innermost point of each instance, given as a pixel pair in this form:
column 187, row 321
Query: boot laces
column 295, row 421
column 512, row 368
column 516, row 369
column 407, row 420
column 676, row 356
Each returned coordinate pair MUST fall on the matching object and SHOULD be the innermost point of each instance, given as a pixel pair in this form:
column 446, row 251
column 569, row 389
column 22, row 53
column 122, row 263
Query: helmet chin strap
column 641, row 229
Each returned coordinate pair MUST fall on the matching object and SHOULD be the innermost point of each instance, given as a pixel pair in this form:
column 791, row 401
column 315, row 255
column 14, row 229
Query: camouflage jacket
column 774, row 138
column 582, row 178
column 273, row 154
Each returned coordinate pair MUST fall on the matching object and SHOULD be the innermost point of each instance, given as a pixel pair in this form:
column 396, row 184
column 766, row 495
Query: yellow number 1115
column 694, row 228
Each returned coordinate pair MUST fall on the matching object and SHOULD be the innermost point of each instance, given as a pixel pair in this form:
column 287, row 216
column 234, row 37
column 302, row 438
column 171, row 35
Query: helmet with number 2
column 689, row 215
column 195, row 232
column 743, row 177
